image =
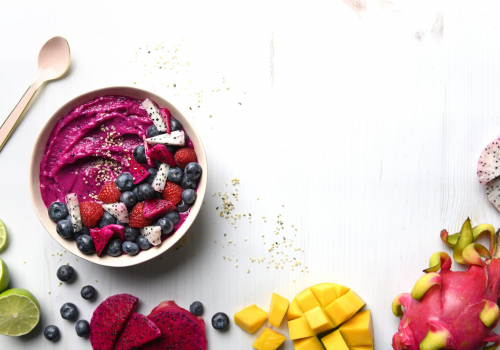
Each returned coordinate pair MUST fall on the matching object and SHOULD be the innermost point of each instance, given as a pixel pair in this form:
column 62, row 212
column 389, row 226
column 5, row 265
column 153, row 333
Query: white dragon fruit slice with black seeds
column 152, row 234
column 74, row 211
column 493, row 192
column 161, row 177
column 175, row 138
column 154, row 114
column 118, row 210
column 488, row 165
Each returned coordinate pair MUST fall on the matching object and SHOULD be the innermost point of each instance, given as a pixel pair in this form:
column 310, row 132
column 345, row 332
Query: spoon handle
column 14, row 117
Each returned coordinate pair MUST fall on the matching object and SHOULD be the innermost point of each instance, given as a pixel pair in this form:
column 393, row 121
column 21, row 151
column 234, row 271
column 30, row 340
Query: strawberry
column 184, row 156
column 137, row 218
column 172, row 192
column 91, row 213
column 109, row 193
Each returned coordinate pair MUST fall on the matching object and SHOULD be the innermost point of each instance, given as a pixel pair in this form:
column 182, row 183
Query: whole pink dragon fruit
column 453, row 309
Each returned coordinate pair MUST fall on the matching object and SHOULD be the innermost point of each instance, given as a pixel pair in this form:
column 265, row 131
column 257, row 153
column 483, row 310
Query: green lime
column 3, row 237
column 4, row 276
column 19, row 312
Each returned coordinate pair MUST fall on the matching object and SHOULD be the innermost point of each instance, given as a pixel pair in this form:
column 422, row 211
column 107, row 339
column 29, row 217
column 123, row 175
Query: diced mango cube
column 328, row 292
column 307, row 300
column 294, row 311
column 358, row 330
column 311, row 343
column 334, row 341
column 250, row 318
column 343, row 308
column 299, row 328
column 268, row 340
column 279, row 306
column 318, row 320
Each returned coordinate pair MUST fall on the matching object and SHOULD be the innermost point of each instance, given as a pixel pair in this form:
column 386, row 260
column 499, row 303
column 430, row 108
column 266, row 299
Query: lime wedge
column 19, row 312
column 4, row 276
column 3, row 237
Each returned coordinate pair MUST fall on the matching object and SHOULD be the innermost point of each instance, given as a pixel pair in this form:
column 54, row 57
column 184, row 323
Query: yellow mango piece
column 343, row 308
column 328, row 292
column 307, row 300
column 361, row 347
column 294, row 311
column 279, row 306
column 299, row 328
column 358, row 330
column 318, row 320
column 311, row 343
column 334, row 341
column 251, row 318
column 268, row 340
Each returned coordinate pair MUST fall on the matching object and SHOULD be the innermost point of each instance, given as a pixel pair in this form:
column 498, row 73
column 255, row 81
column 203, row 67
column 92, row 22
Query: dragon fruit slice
column 118, row 210
column 138, row 331
column 108, row 320
column 153, row 234
column 74, row 211
column 139, row 172
column 165, row 114
column 176, row 138
column 488, row 163
column 493, row 192
column 154, row 114
column 162, row 154
column 179, row 328
column 147, row 147
column 453, row 309
column 161, row 177
column 118, row 231
column 154, row 208
column 101, row 237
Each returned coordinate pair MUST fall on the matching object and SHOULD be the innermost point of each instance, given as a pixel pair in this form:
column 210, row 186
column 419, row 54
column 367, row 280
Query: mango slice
column 311, row 343
column 343, row 308
column 279, row 306
column 294, row 311
column 307, row 300
column 334, row 341
column 326, row 293
column 358, row 330
column 268, row 340
column 250, row 318
column 361, row 347
column 299, row 328
column 318, row 320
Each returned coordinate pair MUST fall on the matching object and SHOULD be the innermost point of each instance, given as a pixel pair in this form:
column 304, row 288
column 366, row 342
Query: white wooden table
column 366, row 127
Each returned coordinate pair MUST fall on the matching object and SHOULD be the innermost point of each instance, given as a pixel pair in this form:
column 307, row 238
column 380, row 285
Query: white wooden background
column 366, row 125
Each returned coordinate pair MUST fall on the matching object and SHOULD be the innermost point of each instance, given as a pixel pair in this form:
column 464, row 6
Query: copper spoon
column 53, row 62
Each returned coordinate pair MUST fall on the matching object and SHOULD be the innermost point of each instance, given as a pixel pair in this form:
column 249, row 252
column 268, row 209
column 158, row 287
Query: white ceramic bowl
column 39, row 148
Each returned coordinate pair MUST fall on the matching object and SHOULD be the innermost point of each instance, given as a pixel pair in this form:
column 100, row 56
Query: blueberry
column 131, row 233
column 172, row 149
column 88, row 293
column 220, row 321
column 174, row 216
column 120, row 223
column 186, row 140
column 189, row 196
column 145, row 191
column 139, row 154
column 143, row 242
column 130, row 248
column 114, row 247
column 106, row 219
column 153, row 131
column 65, row 229
column 57, row 211
column 175, row 175
column 65, row 273
column 125, row 182
column 51, row 333
column 151, row 176
column 82, row 328
column 175, row 125
column 85, row 244
column 196, row 308
column 193, row 170
column 83, row 231
column 158, row 195
column 129, row 199
column 182, row 206
column 188, row 183
column 167, row 226
column 69, row 311
column 68, row 217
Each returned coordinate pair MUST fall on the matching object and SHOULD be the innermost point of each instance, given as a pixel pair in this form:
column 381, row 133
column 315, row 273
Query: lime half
column 19, row 312
column 3, row 237
column 4, row 276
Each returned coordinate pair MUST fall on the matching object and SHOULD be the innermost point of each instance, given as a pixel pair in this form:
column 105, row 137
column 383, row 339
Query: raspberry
column 109, row 193
column 137, row 218
column 172, row 192
column 184, row 156
column 91, row 213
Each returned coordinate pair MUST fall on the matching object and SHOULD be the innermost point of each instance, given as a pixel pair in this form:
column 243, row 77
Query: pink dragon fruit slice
column 74, row 211
column 118, row 210
column 153, row 234
column 118, row 231
column 176, row 138
column 147, row 147
column 162, row 154
column 138, row 172
column 179, row 328
column 138, row 331
column 154, row 114
column 154, row 208
column 108, row 320
column 488, row 163
column 101, row 237
column 165, row 114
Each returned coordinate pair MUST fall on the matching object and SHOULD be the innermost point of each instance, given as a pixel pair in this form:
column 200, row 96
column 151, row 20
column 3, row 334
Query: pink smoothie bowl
column 41, row 209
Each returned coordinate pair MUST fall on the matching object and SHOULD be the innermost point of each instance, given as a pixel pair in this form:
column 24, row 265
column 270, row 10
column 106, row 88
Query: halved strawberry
column 184, row 156
column 172, row 193
column 137, row 218
column 109, row 193
column 91, row 213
